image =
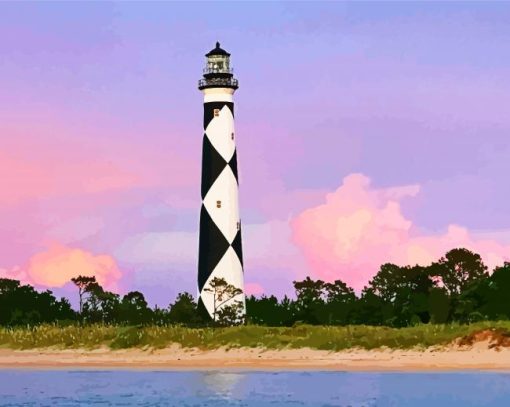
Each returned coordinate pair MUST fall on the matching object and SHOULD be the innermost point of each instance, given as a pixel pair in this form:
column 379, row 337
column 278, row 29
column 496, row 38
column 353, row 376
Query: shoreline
column 478, row 357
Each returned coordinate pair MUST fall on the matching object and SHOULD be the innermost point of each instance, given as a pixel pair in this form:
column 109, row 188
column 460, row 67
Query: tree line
column 23, row 305
column 456, row 288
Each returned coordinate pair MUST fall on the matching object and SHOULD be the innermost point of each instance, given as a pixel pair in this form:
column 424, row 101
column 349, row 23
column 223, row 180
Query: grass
column 332, row 338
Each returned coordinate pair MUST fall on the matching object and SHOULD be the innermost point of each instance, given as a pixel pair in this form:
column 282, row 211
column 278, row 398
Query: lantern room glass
column 218, row 64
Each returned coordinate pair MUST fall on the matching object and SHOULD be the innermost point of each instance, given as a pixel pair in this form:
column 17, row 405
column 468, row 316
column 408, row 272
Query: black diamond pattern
column 202, row 311
column 237, row 245
column 211, row 248
column 212, row 165
column 233, row 165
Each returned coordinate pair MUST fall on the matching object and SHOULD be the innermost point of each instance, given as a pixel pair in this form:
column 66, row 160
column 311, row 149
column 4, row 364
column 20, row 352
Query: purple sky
column 100, row 137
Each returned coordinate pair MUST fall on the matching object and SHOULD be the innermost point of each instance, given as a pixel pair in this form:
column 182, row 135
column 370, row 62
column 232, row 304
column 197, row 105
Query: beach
column 479, row 356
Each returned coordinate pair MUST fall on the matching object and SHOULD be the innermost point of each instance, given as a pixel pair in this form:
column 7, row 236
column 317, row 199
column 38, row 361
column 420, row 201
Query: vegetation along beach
column 449, row 315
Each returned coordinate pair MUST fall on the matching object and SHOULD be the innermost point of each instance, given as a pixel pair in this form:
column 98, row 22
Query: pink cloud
column 269, row 245
column 38, row 174
column 359, row 227
column 56, row 266
column 253, row 289
column 15, row 273
column 52, row 158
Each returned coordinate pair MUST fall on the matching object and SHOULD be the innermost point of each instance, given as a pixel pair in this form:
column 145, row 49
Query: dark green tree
column 485, row 298
column 406, row 289
column 309, row 300
column 231, row 314
column 459, row 268
column 183, row 310
column 371, row 309
column 23, row 305
column 269, row 311
column 83, row 283
column 110, row 306
column 496, row 303
column 91, row 308
column 8, row 286
column 289, row 308
column 340, row 299
column 134, row 309
column 438, row 305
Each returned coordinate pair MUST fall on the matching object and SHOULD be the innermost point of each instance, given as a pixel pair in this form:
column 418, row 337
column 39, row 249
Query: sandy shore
column 478, row 357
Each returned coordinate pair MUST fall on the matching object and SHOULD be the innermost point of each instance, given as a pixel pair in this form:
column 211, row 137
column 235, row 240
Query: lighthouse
column 220, row 249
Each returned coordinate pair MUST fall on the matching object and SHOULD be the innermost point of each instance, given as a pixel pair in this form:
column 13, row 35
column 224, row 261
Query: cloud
column 47, row 174
column 359, row 227
column 75, row 229
column 15, row 273
column 160, row 249
column 253, row 289
column 271, row 260
column 53, row 158
column 269, row 245
column 56, row 266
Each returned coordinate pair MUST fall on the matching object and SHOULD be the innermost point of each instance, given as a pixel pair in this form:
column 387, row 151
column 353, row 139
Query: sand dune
column 478, row 355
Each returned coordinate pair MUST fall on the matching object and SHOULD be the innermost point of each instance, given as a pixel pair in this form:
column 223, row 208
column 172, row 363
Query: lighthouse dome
column 217, row 51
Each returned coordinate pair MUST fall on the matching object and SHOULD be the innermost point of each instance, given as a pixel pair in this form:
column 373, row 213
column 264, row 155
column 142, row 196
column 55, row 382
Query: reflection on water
column 252, row 389
column 222, row 384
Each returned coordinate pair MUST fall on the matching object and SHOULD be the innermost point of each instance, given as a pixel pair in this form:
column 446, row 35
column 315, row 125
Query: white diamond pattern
column 224, row 190
column 219, row 131
column 231, row 270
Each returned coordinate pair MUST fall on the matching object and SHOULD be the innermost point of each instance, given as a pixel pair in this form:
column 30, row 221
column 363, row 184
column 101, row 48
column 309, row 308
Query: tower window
column 218, row 204
column 232, row 136
column 216, row 112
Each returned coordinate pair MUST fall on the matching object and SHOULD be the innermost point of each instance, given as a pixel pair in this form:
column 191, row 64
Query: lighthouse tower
column 220, row 250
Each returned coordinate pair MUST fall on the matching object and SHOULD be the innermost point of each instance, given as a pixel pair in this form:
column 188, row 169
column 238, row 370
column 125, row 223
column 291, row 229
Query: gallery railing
column 218, row 82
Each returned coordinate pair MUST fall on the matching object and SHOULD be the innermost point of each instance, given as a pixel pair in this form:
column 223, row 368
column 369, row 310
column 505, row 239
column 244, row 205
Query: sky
column 366, row 133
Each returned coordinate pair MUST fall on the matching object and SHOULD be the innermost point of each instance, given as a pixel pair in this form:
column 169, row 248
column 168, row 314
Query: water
column 257, row 389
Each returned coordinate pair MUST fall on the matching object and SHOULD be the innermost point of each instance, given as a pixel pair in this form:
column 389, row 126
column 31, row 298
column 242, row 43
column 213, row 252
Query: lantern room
column 218, row 61
column 217, row 71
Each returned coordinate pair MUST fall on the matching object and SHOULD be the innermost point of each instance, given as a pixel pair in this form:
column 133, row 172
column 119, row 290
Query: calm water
column 257, row 389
